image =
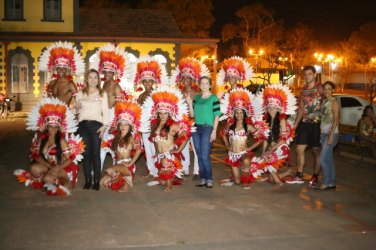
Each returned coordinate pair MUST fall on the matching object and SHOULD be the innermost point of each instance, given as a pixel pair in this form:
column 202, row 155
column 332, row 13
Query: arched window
column 19, row 73
column 163, row 57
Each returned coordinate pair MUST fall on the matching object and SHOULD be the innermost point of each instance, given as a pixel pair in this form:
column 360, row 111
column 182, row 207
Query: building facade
column 27, row 27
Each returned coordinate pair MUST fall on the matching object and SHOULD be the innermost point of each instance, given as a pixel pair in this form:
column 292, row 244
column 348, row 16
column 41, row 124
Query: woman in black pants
column 92, row 109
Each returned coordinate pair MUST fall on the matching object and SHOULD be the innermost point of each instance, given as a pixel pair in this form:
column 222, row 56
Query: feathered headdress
column 62, row 55
column 239, row 98
column 149, row 68
column 234, row 66
column 128, row 112
column 165, row 99
column 54, row 112
column 190, row 67
column 279, row 96
column 116, row 60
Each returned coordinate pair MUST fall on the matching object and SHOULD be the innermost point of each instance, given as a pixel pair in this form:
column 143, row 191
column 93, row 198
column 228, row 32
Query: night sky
column 330, row 20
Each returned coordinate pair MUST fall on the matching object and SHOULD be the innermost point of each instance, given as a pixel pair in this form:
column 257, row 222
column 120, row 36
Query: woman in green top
column 206, row 111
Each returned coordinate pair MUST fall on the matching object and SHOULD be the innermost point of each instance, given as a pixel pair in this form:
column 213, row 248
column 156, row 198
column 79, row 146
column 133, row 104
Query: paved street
column 265, row 217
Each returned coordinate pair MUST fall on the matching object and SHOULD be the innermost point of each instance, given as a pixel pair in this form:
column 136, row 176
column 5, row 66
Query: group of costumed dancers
column 156, row 122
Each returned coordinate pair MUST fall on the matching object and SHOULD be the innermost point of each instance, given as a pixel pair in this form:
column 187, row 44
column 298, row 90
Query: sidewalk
column 265, row 217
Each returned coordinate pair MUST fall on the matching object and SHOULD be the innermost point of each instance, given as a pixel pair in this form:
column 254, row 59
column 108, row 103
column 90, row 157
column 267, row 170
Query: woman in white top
column 92, row 109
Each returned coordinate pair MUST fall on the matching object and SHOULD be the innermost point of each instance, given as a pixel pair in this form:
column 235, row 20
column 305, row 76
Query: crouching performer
column 279, row 103
column 126, row 145
column 54, row 149
column 243, row 112
column 165, row 115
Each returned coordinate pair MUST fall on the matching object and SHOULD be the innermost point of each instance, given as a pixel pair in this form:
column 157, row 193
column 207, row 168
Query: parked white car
column 351, row 108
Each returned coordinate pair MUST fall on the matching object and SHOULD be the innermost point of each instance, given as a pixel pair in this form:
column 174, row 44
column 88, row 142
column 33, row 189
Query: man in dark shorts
column 307, row 126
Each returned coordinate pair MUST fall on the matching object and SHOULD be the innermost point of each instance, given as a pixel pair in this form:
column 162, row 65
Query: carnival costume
column 194, row 69
column 279, row 96
column 149, row 68
column 240, row 98
column 169, row 100
column 116, row 60
column 234, row 66
column 52, row 111
column 130, row 113
column 61, row 55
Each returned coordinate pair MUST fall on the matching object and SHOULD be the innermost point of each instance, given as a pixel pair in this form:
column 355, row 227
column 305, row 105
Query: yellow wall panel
column 33, row 15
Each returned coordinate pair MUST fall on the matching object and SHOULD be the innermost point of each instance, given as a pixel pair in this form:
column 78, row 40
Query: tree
column 362, row 48
column 194, row 17
column 257, row 29
column 298, row 46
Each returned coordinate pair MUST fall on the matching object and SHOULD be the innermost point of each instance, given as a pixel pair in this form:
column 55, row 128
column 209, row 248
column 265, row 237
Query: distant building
column 27, row 27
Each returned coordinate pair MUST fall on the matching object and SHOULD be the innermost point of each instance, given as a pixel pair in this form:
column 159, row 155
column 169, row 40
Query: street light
column 332, row 61
column 256, row 55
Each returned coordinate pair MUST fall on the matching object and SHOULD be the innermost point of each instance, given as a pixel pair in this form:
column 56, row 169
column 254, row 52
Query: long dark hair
column 165, row 127
column 274, row 128
column 59, row 151
column 117, row 140
column 365, row 110
column 233, row 126
column 85, row 90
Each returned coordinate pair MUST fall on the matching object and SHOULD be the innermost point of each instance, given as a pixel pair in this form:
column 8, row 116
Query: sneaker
column 313, row 182
column 294, row 180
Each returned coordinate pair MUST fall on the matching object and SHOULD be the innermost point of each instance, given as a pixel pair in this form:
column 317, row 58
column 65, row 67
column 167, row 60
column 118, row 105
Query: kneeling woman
column 279, row 102
column 166, row 115
column 243, row 112
column 126, row 145
column 53, row 157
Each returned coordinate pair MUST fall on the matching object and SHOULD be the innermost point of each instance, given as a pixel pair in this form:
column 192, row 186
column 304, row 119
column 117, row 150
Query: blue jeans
column 201, row 141
column 327, row 161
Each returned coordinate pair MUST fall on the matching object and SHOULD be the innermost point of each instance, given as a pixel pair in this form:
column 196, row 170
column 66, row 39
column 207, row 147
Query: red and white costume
column 130, row 113
column 240, row 98
column 61, row 55
column 51, row 111
column 149, row 68
column 193, row 68
column 170, row 100
column 114, row 59
column 279, row 96
column 234, row 66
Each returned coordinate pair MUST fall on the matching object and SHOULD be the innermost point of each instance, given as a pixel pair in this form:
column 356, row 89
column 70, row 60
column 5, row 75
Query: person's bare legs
column 300, row 157
column 236, row 174
column 168, row 187
column 276, row 179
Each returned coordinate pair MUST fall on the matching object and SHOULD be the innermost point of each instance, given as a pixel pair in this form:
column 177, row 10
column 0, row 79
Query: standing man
column 307, row 126
column 150, row 72
column 234, row 72
column 115, row 66
column 186, row 76
column 62, row 60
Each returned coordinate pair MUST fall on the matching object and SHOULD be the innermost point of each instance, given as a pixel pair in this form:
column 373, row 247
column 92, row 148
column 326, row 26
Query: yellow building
column 27, row 27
